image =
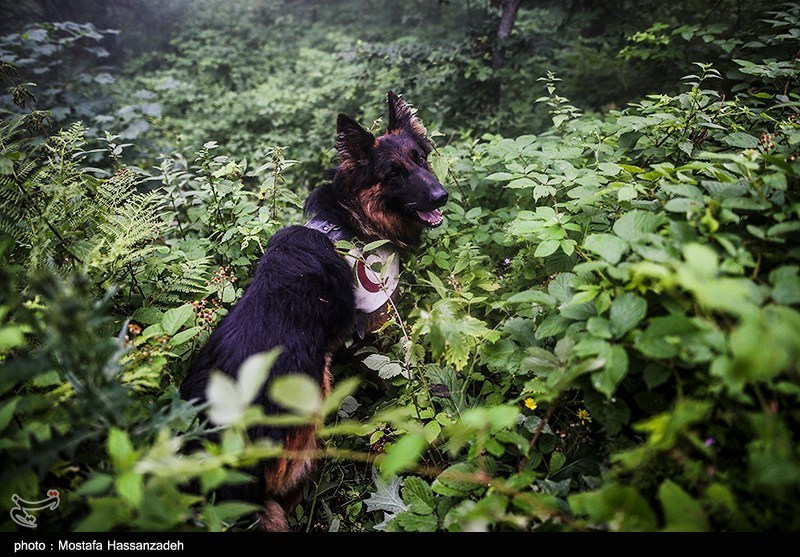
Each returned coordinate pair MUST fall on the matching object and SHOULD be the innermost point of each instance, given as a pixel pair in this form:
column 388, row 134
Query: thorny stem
column 543, row 422
column 278, row 161
column 217, row 216
column 316, row 494
column 791, row 75
column 175, row 208
column 177, row 217
column 135, row 282
column 408, row 348
column 55, row 232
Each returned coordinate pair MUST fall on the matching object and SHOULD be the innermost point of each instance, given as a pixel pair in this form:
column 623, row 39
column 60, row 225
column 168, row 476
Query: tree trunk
column 507, row 18
column 509, row 15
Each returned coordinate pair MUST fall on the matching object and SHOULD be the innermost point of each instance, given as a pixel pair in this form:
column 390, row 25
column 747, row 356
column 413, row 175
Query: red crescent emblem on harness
column 368, row 285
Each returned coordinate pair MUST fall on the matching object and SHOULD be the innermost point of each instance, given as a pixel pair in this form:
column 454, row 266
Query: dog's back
column 301, row 300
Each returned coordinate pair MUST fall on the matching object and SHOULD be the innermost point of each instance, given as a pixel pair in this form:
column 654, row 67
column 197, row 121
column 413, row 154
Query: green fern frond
column 183, row 282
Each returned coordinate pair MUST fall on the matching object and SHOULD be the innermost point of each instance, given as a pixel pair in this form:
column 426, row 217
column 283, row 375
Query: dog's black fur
column 301, row 298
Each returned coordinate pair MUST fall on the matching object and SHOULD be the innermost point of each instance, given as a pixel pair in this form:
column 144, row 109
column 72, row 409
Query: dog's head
column 385, row 182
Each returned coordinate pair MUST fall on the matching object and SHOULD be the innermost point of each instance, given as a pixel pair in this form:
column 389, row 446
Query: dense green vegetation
column 604, row 334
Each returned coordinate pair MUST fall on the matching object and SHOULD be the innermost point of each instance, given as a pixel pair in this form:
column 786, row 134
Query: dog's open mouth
column 431, row 218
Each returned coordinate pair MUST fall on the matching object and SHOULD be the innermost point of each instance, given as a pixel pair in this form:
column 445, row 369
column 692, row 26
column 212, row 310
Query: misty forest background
column 604, row 334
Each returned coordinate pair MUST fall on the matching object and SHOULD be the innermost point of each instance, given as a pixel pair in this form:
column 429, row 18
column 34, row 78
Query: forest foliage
column 603, row 335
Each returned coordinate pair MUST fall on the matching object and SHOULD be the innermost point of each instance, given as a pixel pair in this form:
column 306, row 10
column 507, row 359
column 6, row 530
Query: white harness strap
column 375, row 277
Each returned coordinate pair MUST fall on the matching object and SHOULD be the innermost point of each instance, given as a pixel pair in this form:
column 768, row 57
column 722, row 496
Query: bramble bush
column 604, row 334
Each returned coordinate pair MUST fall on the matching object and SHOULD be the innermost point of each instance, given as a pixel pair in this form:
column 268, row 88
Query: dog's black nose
column 439, row 196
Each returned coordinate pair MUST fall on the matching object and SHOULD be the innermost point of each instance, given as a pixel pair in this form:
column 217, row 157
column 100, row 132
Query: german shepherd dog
column 305, row 297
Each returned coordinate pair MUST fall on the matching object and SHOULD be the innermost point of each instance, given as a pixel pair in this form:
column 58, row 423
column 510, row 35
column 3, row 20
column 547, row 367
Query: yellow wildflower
column 584, row 417
column 530, row 404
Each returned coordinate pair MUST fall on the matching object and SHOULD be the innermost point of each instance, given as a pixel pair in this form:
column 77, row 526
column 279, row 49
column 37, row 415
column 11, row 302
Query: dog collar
column 332, row 231
column 376, row 275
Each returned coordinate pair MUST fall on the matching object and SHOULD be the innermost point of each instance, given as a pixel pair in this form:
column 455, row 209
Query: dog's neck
column 376, row 274
column 323, row 205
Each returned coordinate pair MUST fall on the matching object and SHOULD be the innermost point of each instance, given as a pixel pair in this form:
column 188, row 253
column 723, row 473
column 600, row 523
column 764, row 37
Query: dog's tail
column 273, row 519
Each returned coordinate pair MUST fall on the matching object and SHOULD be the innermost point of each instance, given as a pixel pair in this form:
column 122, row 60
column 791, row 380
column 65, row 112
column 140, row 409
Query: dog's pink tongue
column 431, row 217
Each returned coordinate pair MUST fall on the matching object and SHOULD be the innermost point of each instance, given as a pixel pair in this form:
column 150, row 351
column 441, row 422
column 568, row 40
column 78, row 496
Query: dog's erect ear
column 353, row 142
column 403, row 117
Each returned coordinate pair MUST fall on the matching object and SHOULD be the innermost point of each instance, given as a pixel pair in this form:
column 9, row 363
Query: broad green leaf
column 786, row 283
column 552, row 326
column 497, row 417
column 185, row 336
column 702, row 260
column 741, row 139
column 418, row 495
column 539, row 505
column 473, row 213
column 599, row 327
column 557, row 461
column 11, row 337
column 627, row 310
column 253, row 373
column 376, row 436
column 609, row 247
column 147, row 315
column 615, row 370
column 523, row 182
column 298, row 393
column 539, row 359
column 457, row 480
column 626, row 193
column 532, row 296
column 609, row 168
column 7, row 411
column 500, row 177
column 633, row 226
column 153, row 330
column 374, row 245
column 228, row 293
column 120, row 449
column 542, row 190
column 681, row 512
column 389, row 370
column 665, row 429
column 229, row 510
column 175, row 318
column 432, row 430
column 568, row 169
column 376, row 361
column 546, row 248
column 225, row 404
column 96, row 484
column 129, row 486
column 617, row 507
column 412, row 522
column 344, row 246
column 403, row 454
column 106, row 513
column 683, row 205
column 438, row 285
column 515, row 439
